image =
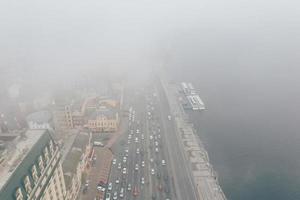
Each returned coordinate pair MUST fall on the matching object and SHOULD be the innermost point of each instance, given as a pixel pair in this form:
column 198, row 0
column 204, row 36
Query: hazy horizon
column 244, row 53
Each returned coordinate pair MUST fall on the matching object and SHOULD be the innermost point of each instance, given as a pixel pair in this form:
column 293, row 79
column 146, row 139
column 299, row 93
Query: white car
column 115, row 197
column 136, row 140
column 156, row 150
column 114, row 161
column 129, row 187
column 169, row 117
column 137, row 151
column 109, row 187
column 124, row 171
column 119, row 166
column 87, row 183
column 101, row 188
column 163, row 162
column 122, row 192
column 143, row 180
column 117, row 181
column 152, row 171
column 136, row 167
column 156, row 143
column 143, row 163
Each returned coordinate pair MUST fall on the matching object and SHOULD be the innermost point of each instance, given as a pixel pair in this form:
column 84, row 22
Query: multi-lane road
column 148, row 162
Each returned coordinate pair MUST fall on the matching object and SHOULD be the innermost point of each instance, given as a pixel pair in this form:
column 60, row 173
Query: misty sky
column 250, row 45
column 131, row 34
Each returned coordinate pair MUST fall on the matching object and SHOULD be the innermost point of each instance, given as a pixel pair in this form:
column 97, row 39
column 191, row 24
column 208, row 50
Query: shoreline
column 204, row 176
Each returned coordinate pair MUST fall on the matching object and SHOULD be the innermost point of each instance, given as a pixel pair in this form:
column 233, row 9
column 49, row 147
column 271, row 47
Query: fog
column 71, row 36
column 237, row 45
column 67, row 36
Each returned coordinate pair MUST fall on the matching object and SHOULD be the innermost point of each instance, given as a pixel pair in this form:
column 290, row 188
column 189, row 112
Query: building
column 103, row 120
column 97, row 114
column 40, row 120
column 62, row 117
column 74, row 165
column 77, row 119
column 31, row 168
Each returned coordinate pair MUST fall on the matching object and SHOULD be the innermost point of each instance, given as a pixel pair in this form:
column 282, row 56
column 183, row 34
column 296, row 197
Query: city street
column 147, row 161
column 140, row 166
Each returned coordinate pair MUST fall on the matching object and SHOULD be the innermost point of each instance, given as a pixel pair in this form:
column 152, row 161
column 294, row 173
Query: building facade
column 32, row 170
column 74, row 165
column 77, row 119
column 62, row 117
column 103, row 120
column 40, row 120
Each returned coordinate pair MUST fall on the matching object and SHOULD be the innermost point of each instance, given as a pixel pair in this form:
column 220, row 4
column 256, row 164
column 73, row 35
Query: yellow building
column 103, row 120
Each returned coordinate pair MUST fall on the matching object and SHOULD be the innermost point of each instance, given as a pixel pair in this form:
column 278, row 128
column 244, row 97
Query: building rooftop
column 15, row 153
column 103, row 112
column 74, row 156
column 40, row 117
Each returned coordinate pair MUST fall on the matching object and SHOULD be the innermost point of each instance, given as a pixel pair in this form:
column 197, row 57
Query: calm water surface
column 250, row 129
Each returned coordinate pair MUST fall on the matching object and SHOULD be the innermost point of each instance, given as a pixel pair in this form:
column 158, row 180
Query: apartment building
column 31, row 168
column 74, row 165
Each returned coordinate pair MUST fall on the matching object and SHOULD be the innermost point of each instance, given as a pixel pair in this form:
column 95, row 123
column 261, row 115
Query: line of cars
column 132, row 170
column 121, row 184
column 162, row 181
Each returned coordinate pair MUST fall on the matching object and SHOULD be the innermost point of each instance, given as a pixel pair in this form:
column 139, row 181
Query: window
column 41, row 163
column 34, row 173
column 46, row 153
column 27, row 184
column 19, row 195
column 51, row 146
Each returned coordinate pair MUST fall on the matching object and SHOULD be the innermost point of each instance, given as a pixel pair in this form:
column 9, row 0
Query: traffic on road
column 139, row 169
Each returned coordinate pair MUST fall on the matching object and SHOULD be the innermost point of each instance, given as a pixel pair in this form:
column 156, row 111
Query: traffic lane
column 135, row 160
column 165, row 173
column 130, row 163
column 175, row 155
column 129, row 170
column 147, row 158
column 115, row 177
column 141, row 157
column 179, row 163
column 160, row 171
column 164, row 181
column 154, row 168
column 141, row 154
column 116, row 172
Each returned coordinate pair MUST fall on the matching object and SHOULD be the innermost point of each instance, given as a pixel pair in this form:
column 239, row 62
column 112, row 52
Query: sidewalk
column 99, row 172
